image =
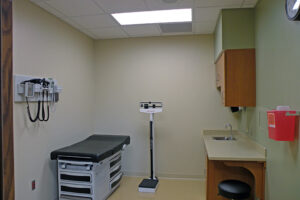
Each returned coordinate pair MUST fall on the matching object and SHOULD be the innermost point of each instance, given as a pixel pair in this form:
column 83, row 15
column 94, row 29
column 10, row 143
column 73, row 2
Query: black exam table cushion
column 95, row 148
column 234, row 189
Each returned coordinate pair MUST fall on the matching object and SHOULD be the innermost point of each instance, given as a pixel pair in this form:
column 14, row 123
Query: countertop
column 241, row 149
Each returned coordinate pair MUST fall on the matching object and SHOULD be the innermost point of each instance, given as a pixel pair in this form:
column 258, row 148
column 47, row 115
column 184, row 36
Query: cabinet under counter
column 241, row 159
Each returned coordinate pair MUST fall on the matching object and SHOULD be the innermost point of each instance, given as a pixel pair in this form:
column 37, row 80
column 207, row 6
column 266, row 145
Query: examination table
column 90, row 169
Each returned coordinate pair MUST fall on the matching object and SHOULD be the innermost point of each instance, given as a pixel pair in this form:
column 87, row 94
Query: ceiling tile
column 182, row 33
column 72, row 23
column 206, row 14
column 204, row 27
column 214, row 3
column 49, row 9
column 249, row 3
column 176, row 27
column 87, row 32
column 117, row 6
column 88, row 15
column 161, row 5
column 111, row 32
column 248, row 6
column 76, row 7
column 142, row 30
column 36, row 1
column 95, row 21
column 78, row 27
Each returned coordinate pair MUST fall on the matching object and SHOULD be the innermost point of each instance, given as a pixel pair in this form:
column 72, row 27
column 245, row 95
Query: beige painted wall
column 178, row 71
column 45, row 46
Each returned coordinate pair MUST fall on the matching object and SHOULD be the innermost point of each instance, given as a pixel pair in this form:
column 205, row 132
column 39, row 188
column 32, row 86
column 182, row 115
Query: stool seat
column 234, row 189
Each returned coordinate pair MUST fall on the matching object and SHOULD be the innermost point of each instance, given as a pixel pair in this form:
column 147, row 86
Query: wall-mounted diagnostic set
column 150, row 185
column 43, row 91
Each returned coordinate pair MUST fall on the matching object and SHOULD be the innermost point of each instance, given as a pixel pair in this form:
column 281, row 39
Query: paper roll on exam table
column 90, row 169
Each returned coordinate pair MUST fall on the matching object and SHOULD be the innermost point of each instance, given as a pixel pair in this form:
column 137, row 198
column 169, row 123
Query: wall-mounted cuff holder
column 43, row 91
column 33, row 90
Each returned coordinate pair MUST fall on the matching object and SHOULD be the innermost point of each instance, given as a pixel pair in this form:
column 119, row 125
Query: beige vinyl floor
column 168, row 189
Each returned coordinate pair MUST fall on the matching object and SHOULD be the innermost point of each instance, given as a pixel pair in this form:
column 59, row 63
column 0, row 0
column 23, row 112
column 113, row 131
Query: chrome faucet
column 230, row 126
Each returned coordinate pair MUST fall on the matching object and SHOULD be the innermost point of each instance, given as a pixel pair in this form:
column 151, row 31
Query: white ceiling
column 93, row 18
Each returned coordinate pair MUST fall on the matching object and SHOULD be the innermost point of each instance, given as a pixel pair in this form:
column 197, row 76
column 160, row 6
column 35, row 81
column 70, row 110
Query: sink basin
column 223, row 138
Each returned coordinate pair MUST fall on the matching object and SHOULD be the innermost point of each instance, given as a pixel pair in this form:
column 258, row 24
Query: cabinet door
column 220, row 65
column 220, row 76
column 240, row 77
column 236, row 77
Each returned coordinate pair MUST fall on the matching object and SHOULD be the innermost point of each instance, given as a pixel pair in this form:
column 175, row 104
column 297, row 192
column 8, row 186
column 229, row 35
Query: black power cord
column 40, row 109
column 44, row 118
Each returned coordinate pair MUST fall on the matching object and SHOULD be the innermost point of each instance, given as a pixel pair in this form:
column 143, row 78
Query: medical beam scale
column 150, row 185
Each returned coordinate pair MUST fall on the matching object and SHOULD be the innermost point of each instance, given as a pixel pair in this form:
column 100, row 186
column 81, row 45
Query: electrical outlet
column 33, row 185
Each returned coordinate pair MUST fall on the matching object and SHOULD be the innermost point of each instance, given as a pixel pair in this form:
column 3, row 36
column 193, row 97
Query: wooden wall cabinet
column 236, row 77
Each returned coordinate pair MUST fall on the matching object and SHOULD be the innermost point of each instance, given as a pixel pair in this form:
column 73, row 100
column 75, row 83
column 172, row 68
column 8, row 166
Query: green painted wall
column 234, row 30
column 238, row 28
column 277, row 42
column 218, row 37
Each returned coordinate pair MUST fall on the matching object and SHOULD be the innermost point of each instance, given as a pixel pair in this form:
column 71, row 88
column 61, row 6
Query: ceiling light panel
column 153, row 17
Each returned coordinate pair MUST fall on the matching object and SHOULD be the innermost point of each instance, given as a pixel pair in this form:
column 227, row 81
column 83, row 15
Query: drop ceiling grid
column 109, row 10
column 96, row 21
column 131, row 30
column 44, row 4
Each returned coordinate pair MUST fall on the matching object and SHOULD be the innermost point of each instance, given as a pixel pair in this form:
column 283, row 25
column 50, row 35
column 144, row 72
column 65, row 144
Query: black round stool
column 234, row 189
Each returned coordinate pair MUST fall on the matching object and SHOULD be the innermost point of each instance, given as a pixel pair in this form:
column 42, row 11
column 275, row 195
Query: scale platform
column 148, row 185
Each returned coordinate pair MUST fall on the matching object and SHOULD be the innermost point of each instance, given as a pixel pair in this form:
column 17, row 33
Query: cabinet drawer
column 76, row 189
column 115, row 171
column 115, row 182
column 75, row 165
column 75, row 177
column 114, row 161
column 69, row 197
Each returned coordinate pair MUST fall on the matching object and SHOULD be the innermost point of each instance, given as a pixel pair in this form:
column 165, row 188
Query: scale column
column 152, row 147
